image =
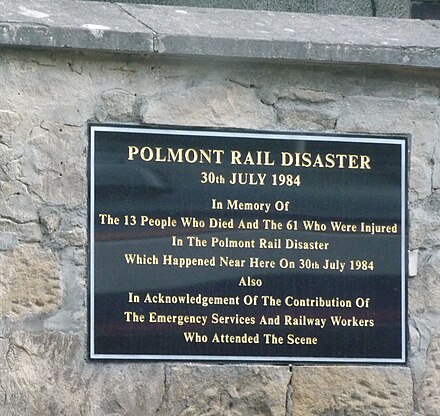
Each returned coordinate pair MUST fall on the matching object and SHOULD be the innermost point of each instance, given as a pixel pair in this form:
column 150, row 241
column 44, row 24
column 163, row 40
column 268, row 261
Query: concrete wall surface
column 49, row 94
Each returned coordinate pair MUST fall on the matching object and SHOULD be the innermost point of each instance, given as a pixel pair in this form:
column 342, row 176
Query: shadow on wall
column 382, row 8
column 427, row 9
column 414, row 9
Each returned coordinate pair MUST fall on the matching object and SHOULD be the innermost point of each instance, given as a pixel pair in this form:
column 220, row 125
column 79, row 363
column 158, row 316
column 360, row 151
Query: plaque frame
column 371, row 139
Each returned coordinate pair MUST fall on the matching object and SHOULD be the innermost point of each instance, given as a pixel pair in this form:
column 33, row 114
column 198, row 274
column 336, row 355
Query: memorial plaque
column 247, row 246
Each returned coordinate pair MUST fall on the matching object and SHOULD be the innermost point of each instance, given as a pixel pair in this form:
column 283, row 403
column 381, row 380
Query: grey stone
column 344, row 7
column 71, row 316
column 55, row 166
column 71, row 230
column 26, row 233
column 8, row 241
column 221, row 390
column 429, row 397
column 270, row 94
column 313, row 96
column 386, row 8
column 365, row 113
column 293, row 6
column 49, row 219
column 291, row 36
column 425, row 224
column 16, row 202
column 9, row 120
column 394, row 8
column 420, row 339
column 300, row 116
column 49, row 376
column 78, row 25
column 11, row 168
column 427, row 286
column 184, row 31
column 227, row 4
column 208, row 105
column 422, row 174
column 117, row 105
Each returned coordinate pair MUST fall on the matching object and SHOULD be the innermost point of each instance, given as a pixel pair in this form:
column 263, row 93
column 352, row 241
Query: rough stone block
column 344, row 7
column 296, row 115
column 354, row 391
column 425, row 224
column 30, row 281
column 228, row 105
column 294, row 6
column 71, row 316
column 50, row 219
column 229, row 4
column 419, row 175
column 429, row 393
column 49, row 376
column 221, row 390
column 9, row 120
column 124, row 389
column 29, row 232
column 368, row 113
column 8, row 241
column 398, row 116
column 16, row 202
column 55, row 168
column 313, row 96
column 72, row 229
column 393, row 8
column 117, row 105
column 425, row 134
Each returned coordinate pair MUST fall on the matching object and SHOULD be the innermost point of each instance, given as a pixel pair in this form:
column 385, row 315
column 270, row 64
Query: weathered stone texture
column 55, row 165
column 425, row 223
column 429, row 398
column 48, row 375
column 393, row 8
column 212, row 104
column 117, row 104
column 427, row 284
column 16, row 202
column 72, row 315
column 414, row 117
column 27, row 232
column 43, row 229
column 299, row 116
column 220, row 390
column 340, row 391
column 50, row 219
column 29, row 281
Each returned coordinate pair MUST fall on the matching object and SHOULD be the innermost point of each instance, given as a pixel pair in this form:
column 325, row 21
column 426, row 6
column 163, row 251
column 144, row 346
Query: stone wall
column 49, row 96
column 383, row 8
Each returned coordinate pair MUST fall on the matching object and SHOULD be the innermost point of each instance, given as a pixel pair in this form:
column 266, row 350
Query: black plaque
column 247, row 246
